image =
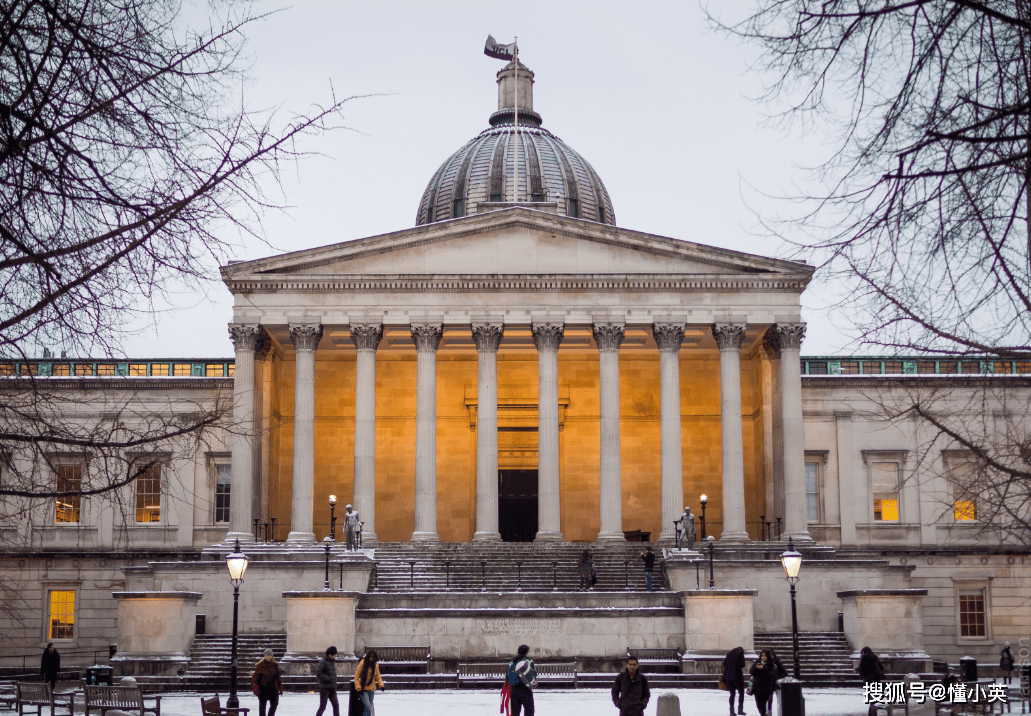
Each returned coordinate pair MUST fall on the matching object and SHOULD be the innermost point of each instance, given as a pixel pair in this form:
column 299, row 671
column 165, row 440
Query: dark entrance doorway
column 517, row 505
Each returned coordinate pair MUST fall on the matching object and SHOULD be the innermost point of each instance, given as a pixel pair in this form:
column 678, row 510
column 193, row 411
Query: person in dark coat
column 764, row 677
column 520, row 695
column 326, row 673
column 779, row 673
column 734, row 677
column 267, row 683
column 649, row 566
column 630, row 693
column 49, row 665
column 583, row 569
column 871, row 669
column 1006, row 663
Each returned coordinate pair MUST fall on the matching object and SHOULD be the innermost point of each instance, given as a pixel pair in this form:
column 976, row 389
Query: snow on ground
column 552, row 702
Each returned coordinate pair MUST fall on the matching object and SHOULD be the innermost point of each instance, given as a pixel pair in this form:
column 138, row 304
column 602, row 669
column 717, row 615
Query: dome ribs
column 537, row 192
column 498, row 166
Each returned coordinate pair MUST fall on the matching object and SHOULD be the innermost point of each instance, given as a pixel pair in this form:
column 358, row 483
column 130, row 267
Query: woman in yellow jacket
column 367, row 680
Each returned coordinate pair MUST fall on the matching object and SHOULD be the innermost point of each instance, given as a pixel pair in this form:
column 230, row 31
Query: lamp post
column 327, row 543
column 237, row 563
column 333, row 517
column 704, row 499
column 792, row 562
column 712, row 549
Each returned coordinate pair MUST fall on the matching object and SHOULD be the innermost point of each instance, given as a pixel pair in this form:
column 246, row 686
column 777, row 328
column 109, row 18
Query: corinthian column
column 609, row 336
column 488, row 338
column 366, row 339
column 427, row 339
column 789, row 336
column 547, row 336
column 669, row 337
column 241, row 496
column 729, row 337
column 306, row 340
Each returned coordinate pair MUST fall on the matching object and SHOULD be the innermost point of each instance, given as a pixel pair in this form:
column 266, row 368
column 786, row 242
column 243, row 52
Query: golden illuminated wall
column 517, row 384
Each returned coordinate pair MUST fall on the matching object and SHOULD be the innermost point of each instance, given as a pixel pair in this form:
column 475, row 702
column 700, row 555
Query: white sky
column 656, row 101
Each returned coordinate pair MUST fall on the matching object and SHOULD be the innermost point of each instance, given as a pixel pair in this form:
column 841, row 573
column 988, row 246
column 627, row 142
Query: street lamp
column 327, row 543
column 712, row 548
column 704, row 499
column 237, row 563
column 792, row 562
column 333, row 517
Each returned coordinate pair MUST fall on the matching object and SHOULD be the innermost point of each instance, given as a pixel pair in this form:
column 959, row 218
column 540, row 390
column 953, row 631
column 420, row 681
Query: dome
column 479, row 177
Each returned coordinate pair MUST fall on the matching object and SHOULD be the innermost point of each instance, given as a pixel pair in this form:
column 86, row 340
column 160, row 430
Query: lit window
column 893, row 367
column 61, row 369
column 849, row 367
column 223, row 483
column 69, row 479
column 948, row 367
column 232, row 369
column 29, row 369
column 885, row 491
column 148, row 495
column 137, row 369
column 971, row 612
column 215, row 370
column 105, row 369
column 812, row 491
column 1005, row 367
column 963, row 476
column 62, row 614
column 83, row 369
column 6, row 368
column 182, row 369
column 159, row 369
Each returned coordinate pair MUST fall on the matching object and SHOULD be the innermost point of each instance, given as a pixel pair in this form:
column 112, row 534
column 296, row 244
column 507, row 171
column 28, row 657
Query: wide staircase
column 211, row 659
column 508, row 566
column 823, row 657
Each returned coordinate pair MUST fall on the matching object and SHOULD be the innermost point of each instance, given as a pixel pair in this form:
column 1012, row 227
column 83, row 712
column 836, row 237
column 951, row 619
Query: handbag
column 751, row 683
column 723, row 685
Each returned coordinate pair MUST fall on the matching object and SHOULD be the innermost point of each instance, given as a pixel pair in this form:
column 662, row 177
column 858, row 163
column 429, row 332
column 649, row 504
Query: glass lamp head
column 333, row 499
column 703, row 499
column 237, row 563
column 792, row 561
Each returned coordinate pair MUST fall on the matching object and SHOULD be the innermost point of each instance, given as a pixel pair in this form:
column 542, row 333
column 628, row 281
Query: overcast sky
column 655, row 100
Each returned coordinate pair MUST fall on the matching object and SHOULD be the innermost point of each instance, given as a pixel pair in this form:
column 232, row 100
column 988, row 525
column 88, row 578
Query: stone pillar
column 716, row 621
column 427, row 339
column 847, row 497
column 789, row 337
column 889, row 621
column 263, row 426
column 669, row 337
column 547, row 337
column 487, row 335
column 775, row 486
column 729, row 337
column 306, row 340
column 155, row 631
column 609, row 336
column 315, row 620
column 241, row 497
column 366, row 338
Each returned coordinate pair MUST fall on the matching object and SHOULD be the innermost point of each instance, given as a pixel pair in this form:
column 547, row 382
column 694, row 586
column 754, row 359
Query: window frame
column 160, row 466
column 951, row 459
column 61, row 586
column 215, row 461
column 984, row 584
column 67, row 460
column 818, row 458
column 899, row 457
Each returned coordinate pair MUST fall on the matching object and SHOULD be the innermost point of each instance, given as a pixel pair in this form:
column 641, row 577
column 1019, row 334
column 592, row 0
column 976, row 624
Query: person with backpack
column 520, row 680
column 630, row 693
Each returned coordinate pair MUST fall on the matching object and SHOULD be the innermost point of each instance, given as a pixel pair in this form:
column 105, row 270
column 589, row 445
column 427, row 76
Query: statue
column 685, row 529
column 351, row 528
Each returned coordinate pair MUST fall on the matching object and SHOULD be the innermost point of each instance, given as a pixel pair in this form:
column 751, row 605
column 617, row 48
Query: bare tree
column 923, row 220
column 125, row 148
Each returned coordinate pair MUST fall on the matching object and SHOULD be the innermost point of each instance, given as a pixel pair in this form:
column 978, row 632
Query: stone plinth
column 314, row 622
column 716, row 621
column 890, row 622
column 155, row 631
column 685, row 567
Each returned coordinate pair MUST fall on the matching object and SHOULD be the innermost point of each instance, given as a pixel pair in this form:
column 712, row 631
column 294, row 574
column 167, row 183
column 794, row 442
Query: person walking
column 630, row 692
column 734, row 677
column 779, row 672
column 367, row 680
column 871, row 669
column 764, row 677
column 49, row 665
column 267, row 683
column 351, row 528
column 583, row 569
column 326, row 673
column 1006, row 663
column 649, row 566
column 520, row 679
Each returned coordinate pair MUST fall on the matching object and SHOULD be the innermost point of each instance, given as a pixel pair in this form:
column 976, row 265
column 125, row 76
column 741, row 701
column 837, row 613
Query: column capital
column 487, row 336
column 668, row 336
column 789, row 335
column 244, row 335
column 427, row 336
column 729, row 336
column 306, row 338
column 608, row 336
column 548, row 336
column 366, row 336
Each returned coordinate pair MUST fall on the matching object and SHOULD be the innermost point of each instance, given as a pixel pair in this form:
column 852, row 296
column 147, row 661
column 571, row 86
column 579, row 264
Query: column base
column 242, row 536
column 300, row 538
column 487, row 537
column 797, row 536
column 728, row 536
column 369, row 540
column 610, row 537
column 667, row 537
column 425, row 537
column 548, row 537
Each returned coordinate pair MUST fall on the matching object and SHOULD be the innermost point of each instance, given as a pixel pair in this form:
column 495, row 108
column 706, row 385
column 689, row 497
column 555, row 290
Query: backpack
column 521, row 671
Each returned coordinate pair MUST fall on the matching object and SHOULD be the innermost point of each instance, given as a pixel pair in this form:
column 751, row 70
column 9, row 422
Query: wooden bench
column 560, row 672
column 663, row 658
column 213, row 707
column 40, row 697
column 480, row 673
column 402, row 659
column 130, row 699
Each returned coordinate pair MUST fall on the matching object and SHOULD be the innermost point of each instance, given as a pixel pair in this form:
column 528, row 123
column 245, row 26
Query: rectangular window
column 61, row 369
column 232, row 369
column 1002, row 367
column 963, row 476
column 69, row 479
column 6, row 368
column 159, row 369
column 885, row 491
column 971, row 613
column 948, row 367
column 223, row 484
column 137, row 369
column 148, row 495
column 29, row 369
column 817, row 367
column 459, row 208
column 812, row 491
column 182, row 369
column 971, row 367
column 62, row 614
column 573, row 208
column 215, row 370
column 105, row 369
column 1023, row 368
column 83, row 369
column 849, row 367
column 925, row 366
column 871, row 367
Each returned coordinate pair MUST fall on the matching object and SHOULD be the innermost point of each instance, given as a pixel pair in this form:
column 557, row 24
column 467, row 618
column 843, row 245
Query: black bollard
column 447, row 566
column 411, row 574
column 483, row 574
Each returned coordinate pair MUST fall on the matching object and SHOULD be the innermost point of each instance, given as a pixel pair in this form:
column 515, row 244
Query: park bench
column 656, row 659
column 129, row 699
column 40, row 697
column 213, row 707
column 402, row 659
column 564, row 672
column 481, row 673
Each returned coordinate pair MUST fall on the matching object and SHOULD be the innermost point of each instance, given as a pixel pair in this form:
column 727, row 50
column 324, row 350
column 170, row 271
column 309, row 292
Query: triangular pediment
column 515, row 241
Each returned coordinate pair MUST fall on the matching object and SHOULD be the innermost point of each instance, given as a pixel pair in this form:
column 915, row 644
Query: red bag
column 506, row 699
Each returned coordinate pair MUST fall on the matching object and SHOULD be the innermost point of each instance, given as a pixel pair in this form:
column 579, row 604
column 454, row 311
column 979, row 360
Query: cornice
column 921, row 381
column 127, row 383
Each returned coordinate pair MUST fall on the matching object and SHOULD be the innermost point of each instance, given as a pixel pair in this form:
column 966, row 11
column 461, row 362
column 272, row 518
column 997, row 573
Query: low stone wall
column 716, row 621
column 314, row 622
column 155, row 631
column 890, row 622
